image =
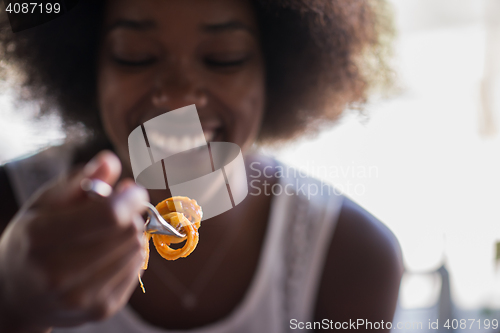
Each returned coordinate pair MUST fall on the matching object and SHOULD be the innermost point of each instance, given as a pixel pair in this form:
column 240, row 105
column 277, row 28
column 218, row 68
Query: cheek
column 252, row 106
column 117, row 96
column 245, row 97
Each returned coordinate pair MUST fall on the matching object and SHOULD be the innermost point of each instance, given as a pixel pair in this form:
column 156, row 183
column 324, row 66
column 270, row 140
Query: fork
column 155, row 223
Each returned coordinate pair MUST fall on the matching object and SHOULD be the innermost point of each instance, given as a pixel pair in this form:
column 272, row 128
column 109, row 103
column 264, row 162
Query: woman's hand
column 66, row 259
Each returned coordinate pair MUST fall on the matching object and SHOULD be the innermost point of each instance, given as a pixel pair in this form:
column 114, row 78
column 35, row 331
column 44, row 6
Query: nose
column 178, row 86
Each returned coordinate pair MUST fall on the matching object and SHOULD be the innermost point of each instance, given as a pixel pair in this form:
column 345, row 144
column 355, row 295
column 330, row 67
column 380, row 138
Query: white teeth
column 175, row 144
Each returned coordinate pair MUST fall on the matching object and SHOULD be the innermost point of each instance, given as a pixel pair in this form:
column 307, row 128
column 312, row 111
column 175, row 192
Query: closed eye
column 226, row 63
column 134, row 63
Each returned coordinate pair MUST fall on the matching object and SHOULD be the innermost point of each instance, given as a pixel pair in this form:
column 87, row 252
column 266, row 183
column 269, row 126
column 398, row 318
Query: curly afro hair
column 322, row 56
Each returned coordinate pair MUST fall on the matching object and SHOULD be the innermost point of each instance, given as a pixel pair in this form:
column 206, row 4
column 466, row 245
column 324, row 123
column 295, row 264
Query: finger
column 116, row 224
column 88, row 221
column 120, row 286
column 112, row 295
column 116, row 212
column 126, row 287
column 76, row 304
column 77, row 267
column 92, row 292
column 104, row 166
column 128, row 201
column 123, row 290
column 79, row 259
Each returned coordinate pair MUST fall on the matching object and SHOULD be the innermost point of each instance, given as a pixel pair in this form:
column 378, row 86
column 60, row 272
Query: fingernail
column 129, row 202
column 92, row 166
column 124, row 186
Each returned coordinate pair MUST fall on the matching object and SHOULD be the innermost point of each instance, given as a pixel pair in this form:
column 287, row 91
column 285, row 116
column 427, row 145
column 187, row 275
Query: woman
column 265, row 71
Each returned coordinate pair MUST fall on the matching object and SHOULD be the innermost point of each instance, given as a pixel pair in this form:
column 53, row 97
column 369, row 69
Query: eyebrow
column 132, row 25
column 227, row 27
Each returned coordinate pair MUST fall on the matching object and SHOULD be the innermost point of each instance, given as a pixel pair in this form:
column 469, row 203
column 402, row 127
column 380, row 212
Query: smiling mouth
column 178, row 143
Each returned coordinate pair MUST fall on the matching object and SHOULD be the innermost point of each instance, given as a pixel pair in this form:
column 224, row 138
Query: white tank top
column 285, row 284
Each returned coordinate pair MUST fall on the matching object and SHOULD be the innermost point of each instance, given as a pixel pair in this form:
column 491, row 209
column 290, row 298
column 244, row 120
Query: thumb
column 104, row 166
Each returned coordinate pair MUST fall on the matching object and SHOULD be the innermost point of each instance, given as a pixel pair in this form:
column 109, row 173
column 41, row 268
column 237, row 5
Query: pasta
column 185, row 215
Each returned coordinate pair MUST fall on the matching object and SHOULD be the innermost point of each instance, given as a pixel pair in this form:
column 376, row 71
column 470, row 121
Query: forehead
column 174, row 14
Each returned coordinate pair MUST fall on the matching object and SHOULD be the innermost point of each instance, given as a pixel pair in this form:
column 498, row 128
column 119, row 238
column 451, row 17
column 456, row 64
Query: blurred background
column 425, row 162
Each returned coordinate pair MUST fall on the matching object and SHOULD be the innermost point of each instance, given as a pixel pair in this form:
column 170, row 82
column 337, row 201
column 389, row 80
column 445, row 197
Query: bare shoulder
column 362, row 271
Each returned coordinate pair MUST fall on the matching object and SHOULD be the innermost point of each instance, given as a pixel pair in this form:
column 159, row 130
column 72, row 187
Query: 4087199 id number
column 33, row 8
column 471, row 324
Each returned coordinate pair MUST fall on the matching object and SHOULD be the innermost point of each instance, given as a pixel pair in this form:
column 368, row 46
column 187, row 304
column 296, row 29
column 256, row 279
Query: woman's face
column 160, row 55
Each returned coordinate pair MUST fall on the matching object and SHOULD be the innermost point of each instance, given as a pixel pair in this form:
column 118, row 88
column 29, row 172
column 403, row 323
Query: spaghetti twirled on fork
column 185, row 215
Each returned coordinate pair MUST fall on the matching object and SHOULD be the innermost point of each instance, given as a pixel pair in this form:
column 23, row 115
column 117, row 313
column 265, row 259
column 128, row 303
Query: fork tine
column 156, row 224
